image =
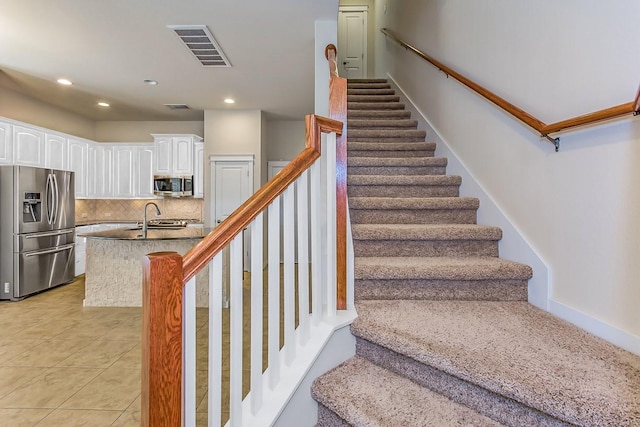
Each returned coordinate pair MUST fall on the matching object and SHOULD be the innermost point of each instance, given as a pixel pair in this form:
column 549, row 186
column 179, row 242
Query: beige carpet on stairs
column 445, row 336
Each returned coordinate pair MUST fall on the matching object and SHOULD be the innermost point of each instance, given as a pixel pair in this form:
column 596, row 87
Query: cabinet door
column 182, row 155
column 198, row 170
column 163, row 156
column 6, row 144
column 77, row 162
column 55, row 152
column 100, row 178
column 144, row 172
column 123, row 173
column 28, row 146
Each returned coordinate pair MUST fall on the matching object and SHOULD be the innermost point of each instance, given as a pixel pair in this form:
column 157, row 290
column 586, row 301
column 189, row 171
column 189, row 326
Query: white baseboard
column 596, row 327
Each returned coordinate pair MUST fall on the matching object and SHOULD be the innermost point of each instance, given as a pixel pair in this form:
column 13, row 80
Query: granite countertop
column 183, row 233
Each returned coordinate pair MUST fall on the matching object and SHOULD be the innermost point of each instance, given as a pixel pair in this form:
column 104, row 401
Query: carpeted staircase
column 444, row 335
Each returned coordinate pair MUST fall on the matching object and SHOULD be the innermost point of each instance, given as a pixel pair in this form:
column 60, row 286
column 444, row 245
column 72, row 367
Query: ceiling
column 107, row 48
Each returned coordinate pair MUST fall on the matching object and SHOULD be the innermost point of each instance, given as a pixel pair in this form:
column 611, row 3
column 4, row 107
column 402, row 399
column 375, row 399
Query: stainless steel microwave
column 173, row 186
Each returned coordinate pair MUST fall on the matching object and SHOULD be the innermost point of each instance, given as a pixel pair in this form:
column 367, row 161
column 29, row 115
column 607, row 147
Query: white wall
column 578, row 208
column 285, row 139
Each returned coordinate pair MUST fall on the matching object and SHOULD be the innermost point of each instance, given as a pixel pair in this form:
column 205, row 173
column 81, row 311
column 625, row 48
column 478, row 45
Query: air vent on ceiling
column 177, row 106
column 201, row 43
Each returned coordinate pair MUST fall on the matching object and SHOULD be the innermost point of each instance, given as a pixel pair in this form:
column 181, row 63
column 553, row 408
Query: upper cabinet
column 77, row 161
column 28, row 146
column 100, row 171
column 174, row 154
column 198, row 170
column 6, row 144
column 55, row 151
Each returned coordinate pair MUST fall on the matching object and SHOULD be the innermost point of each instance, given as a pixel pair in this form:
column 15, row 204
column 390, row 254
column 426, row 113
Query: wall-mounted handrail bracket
column 554, row 141
column 636, row 113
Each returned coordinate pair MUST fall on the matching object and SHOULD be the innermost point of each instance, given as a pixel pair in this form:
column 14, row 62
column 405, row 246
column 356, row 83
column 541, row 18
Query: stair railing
column 301, row 301
column 544, row 129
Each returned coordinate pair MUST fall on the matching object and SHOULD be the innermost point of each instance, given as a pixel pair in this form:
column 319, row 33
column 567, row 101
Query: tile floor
column 62, row 364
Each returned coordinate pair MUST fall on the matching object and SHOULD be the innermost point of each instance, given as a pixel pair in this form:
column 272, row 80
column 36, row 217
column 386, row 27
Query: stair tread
column 369, row 396
column 404, row 180
column 515, row 350
column 391, row 146
column 391, row 123
column 425, row 232
column 440, row 268
column 396, row 161
column 373, row 114
column 413, row 203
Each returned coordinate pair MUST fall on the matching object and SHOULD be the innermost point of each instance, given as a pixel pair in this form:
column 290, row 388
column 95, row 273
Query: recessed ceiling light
column 151, row 82
column 229, row 101
column 104, row 104
column 65, row 82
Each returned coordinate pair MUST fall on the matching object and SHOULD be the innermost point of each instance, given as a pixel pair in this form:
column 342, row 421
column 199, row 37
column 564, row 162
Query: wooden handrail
column 543, row 128
column 200, row 255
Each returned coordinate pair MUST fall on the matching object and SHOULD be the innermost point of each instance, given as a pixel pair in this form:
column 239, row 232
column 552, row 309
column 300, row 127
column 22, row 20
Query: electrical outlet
column 85, row 215
column 6, row 287
column 107, row 214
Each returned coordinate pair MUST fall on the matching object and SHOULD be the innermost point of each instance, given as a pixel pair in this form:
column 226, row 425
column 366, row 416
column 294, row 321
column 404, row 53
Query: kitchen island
column 113, row 276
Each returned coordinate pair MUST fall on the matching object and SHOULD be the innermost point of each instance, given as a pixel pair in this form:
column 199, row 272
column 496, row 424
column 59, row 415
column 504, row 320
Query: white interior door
column 352, row 42
column 232, row 185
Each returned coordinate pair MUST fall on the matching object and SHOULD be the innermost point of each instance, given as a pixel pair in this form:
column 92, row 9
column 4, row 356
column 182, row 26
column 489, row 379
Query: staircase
column 445, row 335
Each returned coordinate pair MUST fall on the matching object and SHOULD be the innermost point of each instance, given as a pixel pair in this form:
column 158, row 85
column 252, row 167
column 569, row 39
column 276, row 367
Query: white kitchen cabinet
column 55, row 151
column 174, row 154
column 28, row 146
column 198, row 170
column 124, row 162
column 100, row 171
column 6, row 143
column 78, row 162
column 144, row 172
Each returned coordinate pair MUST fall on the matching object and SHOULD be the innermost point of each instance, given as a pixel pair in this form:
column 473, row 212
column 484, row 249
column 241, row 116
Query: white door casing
column 352, row 42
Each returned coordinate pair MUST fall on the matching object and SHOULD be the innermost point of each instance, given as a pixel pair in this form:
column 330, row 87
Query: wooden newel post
column 162, row 284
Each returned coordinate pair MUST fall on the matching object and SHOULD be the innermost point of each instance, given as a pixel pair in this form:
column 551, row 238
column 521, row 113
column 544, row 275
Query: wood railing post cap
column 329, row 47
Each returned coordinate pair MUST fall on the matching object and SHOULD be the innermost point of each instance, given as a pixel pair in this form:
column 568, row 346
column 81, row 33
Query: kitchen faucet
column 144, row 218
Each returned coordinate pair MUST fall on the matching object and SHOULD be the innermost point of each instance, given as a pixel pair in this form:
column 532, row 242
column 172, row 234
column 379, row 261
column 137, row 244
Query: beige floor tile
column 98, row 354
column 79, row 417
column 113, row 389
column 124, row 333
column 48, row 353
column 50, row 389
column 132, row 359
column 128, row 419
column 22, row 417
column 12, row 377
column 10, row 348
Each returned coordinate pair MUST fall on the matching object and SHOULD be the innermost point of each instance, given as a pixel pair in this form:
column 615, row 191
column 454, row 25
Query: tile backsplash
column 88, row 210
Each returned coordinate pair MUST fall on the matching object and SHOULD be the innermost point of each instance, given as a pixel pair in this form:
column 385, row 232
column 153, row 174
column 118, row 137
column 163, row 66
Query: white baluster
column 316, row 243
column 235, row 332
column 303, row 256
column 289, row 273
column 215, row 341
column 256, row 313
column 273, row 296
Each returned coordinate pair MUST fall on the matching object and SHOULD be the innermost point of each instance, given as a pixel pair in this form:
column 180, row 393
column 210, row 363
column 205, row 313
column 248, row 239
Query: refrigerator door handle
column 50, row 251
column 49, row 195
column 53, row 233
column 56, row 199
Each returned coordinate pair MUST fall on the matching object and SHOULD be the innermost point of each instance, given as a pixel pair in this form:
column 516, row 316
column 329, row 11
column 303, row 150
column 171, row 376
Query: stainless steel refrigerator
column 37, row 220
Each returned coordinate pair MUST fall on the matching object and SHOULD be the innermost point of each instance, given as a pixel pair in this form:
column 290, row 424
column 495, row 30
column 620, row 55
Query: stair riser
column 386, row 170
column 390, row 154
column 355, row 138
column 383, row 126
column 413, row 216
column 504, row 410
column 373, row 98
column 425, row 248
column 409, row 134
column 403, row 191
column 441, row 290
column 375, row 106
column 370, row 91
column 378, row 115
column 328, row 418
